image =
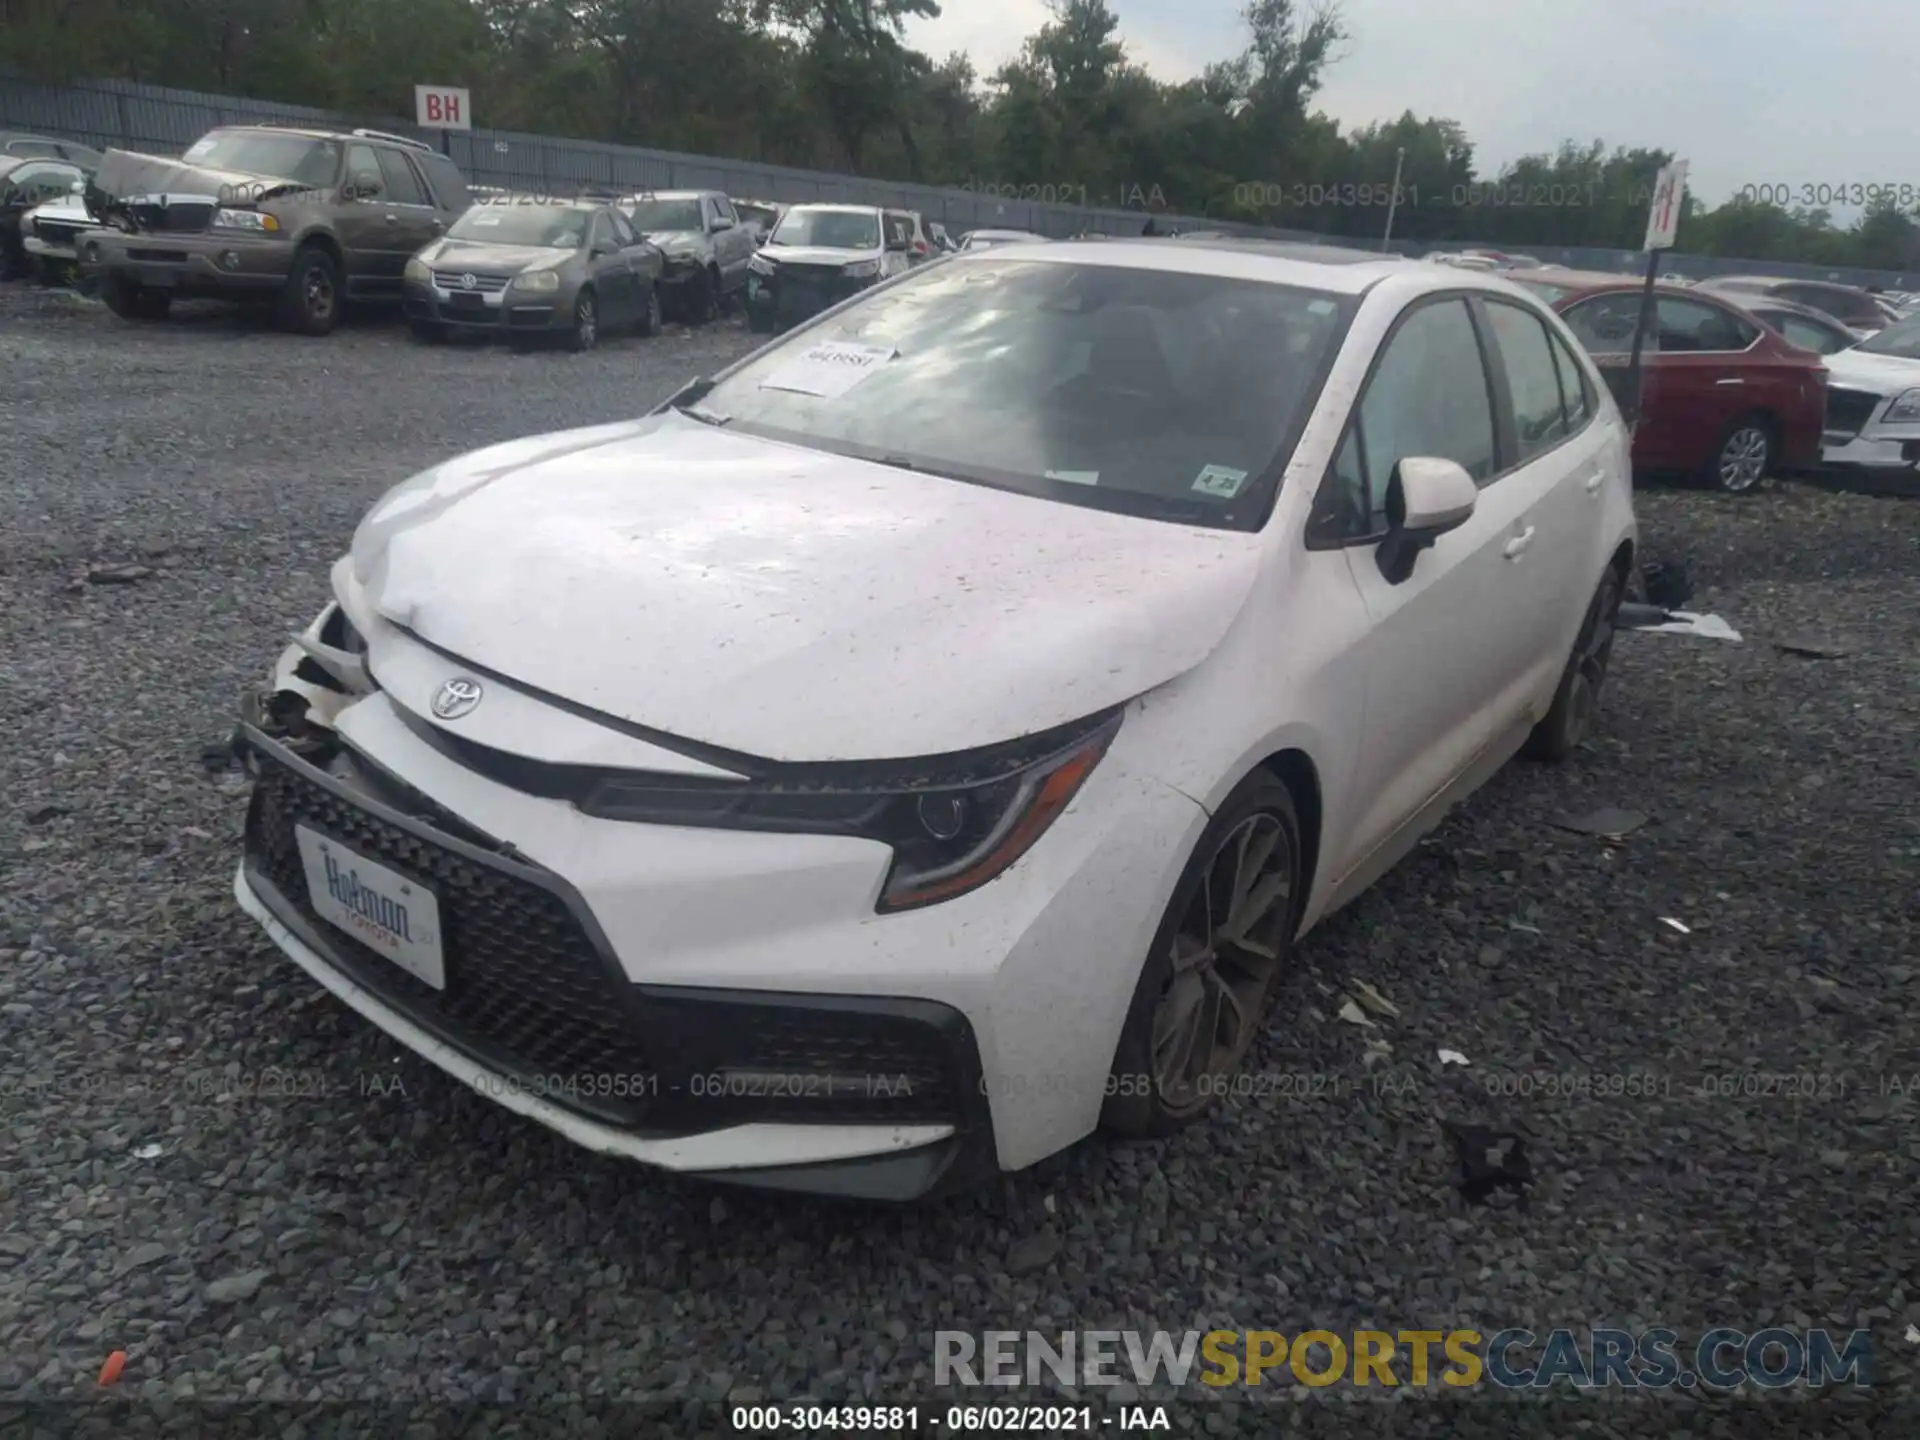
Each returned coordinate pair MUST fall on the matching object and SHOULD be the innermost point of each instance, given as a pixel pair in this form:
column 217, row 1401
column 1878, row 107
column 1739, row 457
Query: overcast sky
column 1749, row 91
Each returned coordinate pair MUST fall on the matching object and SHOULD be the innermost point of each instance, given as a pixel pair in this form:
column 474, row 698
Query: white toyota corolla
column 928, row 740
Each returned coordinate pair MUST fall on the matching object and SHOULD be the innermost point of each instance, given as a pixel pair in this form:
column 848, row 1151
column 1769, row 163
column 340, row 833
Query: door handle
column 1731, row 380
column 1595, row 481
column 393, row 219
column 1518, row 544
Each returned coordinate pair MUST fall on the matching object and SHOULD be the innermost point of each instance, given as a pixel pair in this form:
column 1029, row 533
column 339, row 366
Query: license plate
column 156, row 276
column 380, row 908
column 464, row 301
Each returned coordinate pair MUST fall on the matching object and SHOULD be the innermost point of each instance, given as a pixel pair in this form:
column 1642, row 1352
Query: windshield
column 299, row 158
column 561, row 228
column 659, row 216
column 1157, row 393
column 834, row 229
column 1901, row 338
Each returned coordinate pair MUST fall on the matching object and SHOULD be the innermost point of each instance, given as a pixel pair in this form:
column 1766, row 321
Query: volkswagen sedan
column 930, row 739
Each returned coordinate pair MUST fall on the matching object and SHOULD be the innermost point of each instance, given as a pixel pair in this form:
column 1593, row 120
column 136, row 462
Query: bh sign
column 441, row 107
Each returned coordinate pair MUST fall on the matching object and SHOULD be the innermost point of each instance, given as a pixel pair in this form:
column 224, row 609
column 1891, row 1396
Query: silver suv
column 706, row 245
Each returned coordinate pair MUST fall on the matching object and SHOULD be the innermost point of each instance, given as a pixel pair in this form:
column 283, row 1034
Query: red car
column 1724, row 397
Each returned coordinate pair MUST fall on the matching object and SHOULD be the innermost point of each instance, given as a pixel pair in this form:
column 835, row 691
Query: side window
column 623, row 235
column 363, row 171
column 403, row 186
column 723, row 207
column 1807, row 335
column 37, row 182
column 1576, row 393
column 33, row 147
column 1428, row 396
column 601, row 236
column 1605, row 324
column 1690, row 326
column 1532, row 378
column 449, row 186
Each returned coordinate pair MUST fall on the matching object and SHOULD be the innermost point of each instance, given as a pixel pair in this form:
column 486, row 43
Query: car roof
column 1792, row 307
column 1312, row 267
column 1578, row 284
column 838, row 209
column 676, row 194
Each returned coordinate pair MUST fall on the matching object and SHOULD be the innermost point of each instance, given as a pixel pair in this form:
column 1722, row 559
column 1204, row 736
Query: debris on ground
column 1686, row 622
column 1666, row 584
column 1453, row 1057
column 1672, row 923
column 1374, row 1001
column 117, row 574
column 40, row 815
column 1811, row 648
column 1491, row 1161
column 114, row 1364
column 1609, row 823
column 1354, row 1015
column 1377, row 1052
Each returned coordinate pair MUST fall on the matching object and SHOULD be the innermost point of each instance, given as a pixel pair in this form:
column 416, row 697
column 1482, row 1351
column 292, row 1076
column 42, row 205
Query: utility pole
column 1393, row 200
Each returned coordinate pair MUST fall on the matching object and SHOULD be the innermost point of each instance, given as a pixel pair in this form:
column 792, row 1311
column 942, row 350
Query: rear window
column 1851, row 306
column 1156, row 393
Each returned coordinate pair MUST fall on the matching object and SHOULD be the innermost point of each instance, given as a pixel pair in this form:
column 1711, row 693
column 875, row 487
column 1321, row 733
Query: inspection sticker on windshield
column 1220, row 480
column 829, row 368
column 1075, row 477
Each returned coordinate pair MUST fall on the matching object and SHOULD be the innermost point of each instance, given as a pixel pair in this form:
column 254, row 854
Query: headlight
column 760, row 266
column 418, row 269
column 1904, row 410
column 537, row 281
column 953, row 824
column 251, row 220
column 861, row 269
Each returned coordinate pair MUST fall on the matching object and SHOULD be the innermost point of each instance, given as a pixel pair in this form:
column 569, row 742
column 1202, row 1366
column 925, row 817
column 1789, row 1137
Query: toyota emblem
column 469, row 280
column 455, row 698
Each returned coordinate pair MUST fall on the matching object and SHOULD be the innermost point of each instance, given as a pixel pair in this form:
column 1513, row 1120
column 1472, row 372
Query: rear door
column 412, row 217
column 612, row 271
column 1451, row 652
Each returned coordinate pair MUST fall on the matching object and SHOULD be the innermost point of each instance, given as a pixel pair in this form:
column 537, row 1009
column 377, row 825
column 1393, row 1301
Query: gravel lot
column 387, row 1236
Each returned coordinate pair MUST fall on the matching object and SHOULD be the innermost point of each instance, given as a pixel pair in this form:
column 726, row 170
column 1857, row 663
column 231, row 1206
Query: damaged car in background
column 818, row 256
column 26, row 184
column 303, row 219
column 705, row 244
column 875, row 768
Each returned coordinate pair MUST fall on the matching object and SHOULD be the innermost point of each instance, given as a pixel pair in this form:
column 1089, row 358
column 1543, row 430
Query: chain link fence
column 125, row 115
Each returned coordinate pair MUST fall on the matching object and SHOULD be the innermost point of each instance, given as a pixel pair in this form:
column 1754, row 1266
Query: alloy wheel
column 1743, row 459
column 586, row 323
column 1590, row 658
column 1226, row 956
column 319, row 293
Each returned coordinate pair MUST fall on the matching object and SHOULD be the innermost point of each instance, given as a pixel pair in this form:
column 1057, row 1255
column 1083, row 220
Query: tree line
column 833, row 85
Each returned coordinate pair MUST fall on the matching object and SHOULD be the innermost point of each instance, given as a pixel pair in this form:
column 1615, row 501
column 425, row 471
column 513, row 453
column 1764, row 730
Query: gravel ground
column 385, row 1236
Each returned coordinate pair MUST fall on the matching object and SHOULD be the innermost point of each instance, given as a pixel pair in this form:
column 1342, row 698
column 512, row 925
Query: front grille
column 814, row 274
column 527, row 992
column 1849, row 410
column 482, row 284
column 58, row 232
column 181, row 215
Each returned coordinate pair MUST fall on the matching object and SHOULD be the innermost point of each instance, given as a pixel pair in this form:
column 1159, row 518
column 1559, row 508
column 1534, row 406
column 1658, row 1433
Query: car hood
column 816, row 254
column 124, row 175
column 789, row 603
column 1863, row 370
column 480, row 255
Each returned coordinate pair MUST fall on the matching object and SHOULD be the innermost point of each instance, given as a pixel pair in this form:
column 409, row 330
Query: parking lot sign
column 442, row 107
column 1663, row 219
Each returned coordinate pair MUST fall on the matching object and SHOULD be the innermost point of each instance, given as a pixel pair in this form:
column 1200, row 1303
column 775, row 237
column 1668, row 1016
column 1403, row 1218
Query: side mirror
column 1426, row 497
column 720, row 222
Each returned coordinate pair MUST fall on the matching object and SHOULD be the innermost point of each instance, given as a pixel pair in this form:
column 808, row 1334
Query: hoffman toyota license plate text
column 377, row 906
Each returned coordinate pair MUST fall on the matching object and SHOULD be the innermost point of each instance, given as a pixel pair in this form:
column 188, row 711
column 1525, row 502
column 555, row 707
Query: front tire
column 131, row 300
column 1745, row 457
column 311, row 297
column 1216, row 963
column 650, row 315
column 585, row 333
column 1576, row 703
